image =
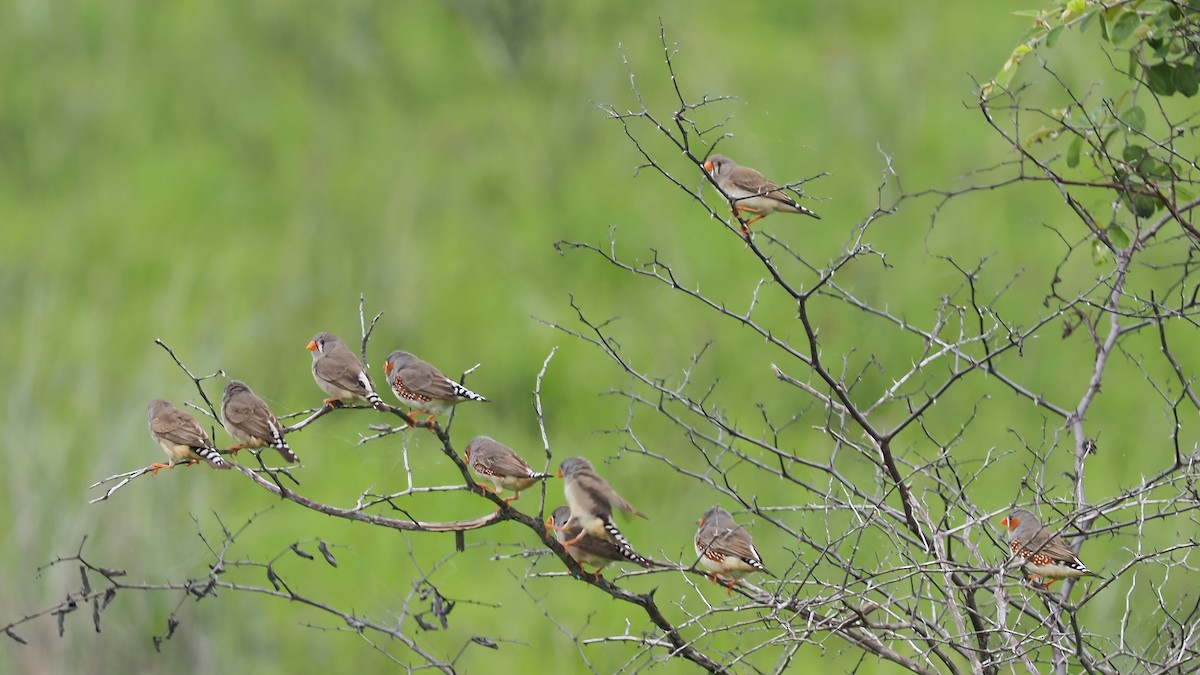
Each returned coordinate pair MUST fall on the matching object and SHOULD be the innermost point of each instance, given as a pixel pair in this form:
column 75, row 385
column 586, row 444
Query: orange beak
column 312, row 345
column 387, row 368
column 560, row 473
column 467, row 454
column 708, row 166
column 1010, row 522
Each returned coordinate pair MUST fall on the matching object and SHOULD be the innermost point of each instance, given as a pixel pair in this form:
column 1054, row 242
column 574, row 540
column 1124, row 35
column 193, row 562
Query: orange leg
column 745, row 224
column 333, row 403
column 156, row 466
column 575, row 540
column 515, row 497
column 729, row 586
column 237, row 448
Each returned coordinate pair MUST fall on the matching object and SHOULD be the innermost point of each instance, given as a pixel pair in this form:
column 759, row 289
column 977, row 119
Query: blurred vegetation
column 229, row 177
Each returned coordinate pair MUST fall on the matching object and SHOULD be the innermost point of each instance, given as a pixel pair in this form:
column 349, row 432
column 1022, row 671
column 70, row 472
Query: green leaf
column 1104, row 32
column 1134, row 66
column 1186, row 81
column 1133, row 153
column 1101, row 256
column 1161, row 78
column 1124, row 26
column 1087, row 21
column 1073, row 152
column 1144, row 205
column 1117, row 235
column 1135, row 118
column 1053, row 35
column 1153, row 168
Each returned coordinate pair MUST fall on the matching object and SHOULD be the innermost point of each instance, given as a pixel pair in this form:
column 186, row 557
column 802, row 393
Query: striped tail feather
column 213, row 457
column 372, row 397
column 623, row 546
column 281, row 445
column 462, row 392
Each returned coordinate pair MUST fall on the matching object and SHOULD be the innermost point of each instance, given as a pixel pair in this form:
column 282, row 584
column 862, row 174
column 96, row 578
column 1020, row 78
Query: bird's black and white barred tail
column 623, row 545
column 462, row 392
column 757, row 565
column 281, row 445
column 372, row 397
column 213, row 457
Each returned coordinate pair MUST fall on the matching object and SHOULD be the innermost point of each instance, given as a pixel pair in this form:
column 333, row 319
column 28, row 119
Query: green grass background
column 229, row 177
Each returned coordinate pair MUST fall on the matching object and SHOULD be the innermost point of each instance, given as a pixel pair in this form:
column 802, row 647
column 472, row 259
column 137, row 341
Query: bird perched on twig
column 587, row 549
column 339, row 373
column 591, row 500
column 1047, row 555
column 751, row 192
column 725, row 548
column 498, row 464
column 180, row 437
column 248, row 419
column 424, row 388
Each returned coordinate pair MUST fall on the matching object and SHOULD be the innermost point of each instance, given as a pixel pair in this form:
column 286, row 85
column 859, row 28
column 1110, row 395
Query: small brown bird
column 424, row 388
column 180, row 437
column 1047, row 555
column 498, row 464
column 339, row 372
column 589, row 550
column 248, row 419
column 750, row 191
column 725, row 548
column 591, row 500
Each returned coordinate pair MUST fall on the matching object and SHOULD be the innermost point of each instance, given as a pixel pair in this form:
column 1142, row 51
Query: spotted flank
column 412, row 398
column 1043, row 565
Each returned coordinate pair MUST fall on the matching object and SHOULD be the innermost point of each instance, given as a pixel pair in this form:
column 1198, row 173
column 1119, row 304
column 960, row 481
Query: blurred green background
column 229, row 177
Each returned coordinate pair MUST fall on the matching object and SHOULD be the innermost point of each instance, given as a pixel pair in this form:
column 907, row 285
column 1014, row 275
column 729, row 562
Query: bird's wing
column 342, row 370
column 424, row 379
column 251, row 415
column 176, row 426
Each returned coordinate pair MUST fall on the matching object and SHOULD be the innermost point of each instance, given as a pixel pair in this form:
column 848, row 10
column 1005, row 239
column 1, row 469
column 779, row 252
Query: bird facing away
column 589, row 550
column 180, row 437
column 424, row 388
column 248, row 419
column 591, row 500
column 750, row 191
column 498, row 464
column 725, row 548
column 339, row 373
column 1047, row 555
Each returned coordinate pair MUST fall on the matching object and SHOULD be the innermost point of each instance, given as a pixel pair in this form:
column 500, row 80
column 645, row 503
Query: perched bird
column 591, row 500
column 339, row 372
column 589, row 550
column 1047, row 555
column 180, row 437
column 501, row 466
column 725, row 548
column 248, row 419
column 423, row 387
column 750, row 191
